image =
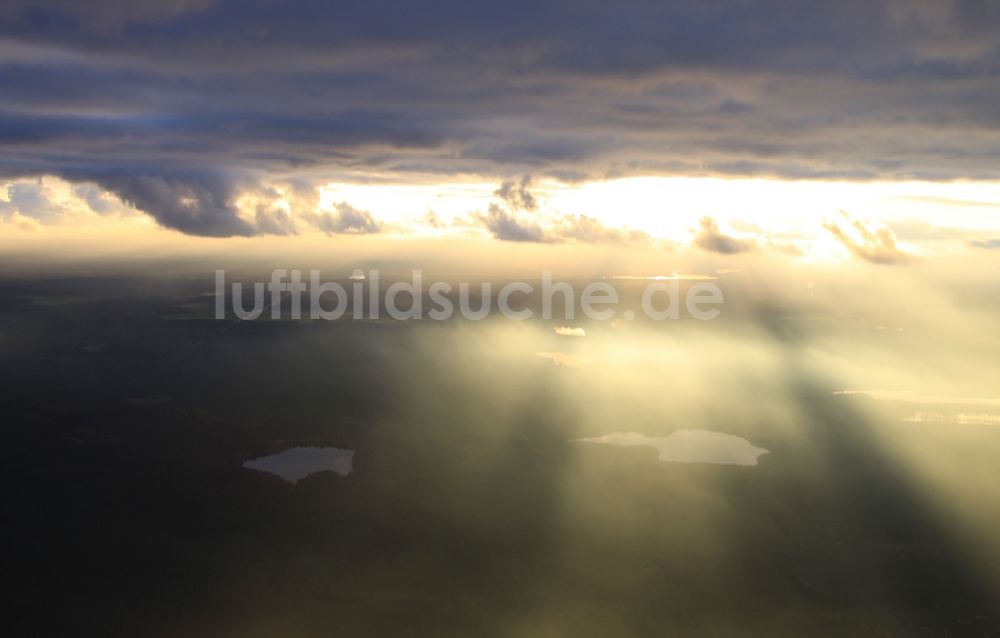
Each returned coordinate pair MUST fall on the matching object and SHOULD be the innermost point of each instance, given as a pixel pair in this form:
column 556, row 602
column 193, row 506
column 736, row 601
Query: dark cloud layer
column 178, row 106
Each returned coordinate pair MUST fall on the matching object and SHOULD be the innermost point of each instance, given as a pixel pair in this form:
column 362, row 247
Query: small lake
column 294, row 464
column 689, row 446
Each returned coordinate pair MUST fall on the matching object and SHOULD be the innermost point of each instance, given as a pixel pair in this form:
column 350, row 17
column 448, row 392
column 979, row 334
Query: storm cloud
column 179, row 107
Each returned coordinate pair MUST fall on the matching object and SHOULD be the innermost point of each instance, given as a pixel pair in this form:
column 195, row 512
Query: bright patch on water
column 294, row 464
column 690, row 446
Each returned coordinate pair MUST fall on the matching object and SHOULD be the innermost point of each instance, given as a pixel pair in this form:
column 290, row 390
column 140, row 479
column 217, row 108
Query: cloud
column 867, row 240
column 516, row 218
column 180, row 107
column 33, row 199
column 108, row 15
column 711, row 239
column 585, row 229
column 197, row 202
column 346, row 220
column 508, row 226
column 433, row 220
column 49, row 200
column 518, row 195
column 988, row 244
column 97, row 199
column 274, row 221
column 504, row 225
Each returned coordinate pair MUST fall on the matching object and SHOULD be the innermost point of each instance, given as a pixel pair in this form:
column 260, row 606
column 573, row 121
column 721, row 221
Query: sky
column 849, row 130
column 832, row 166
